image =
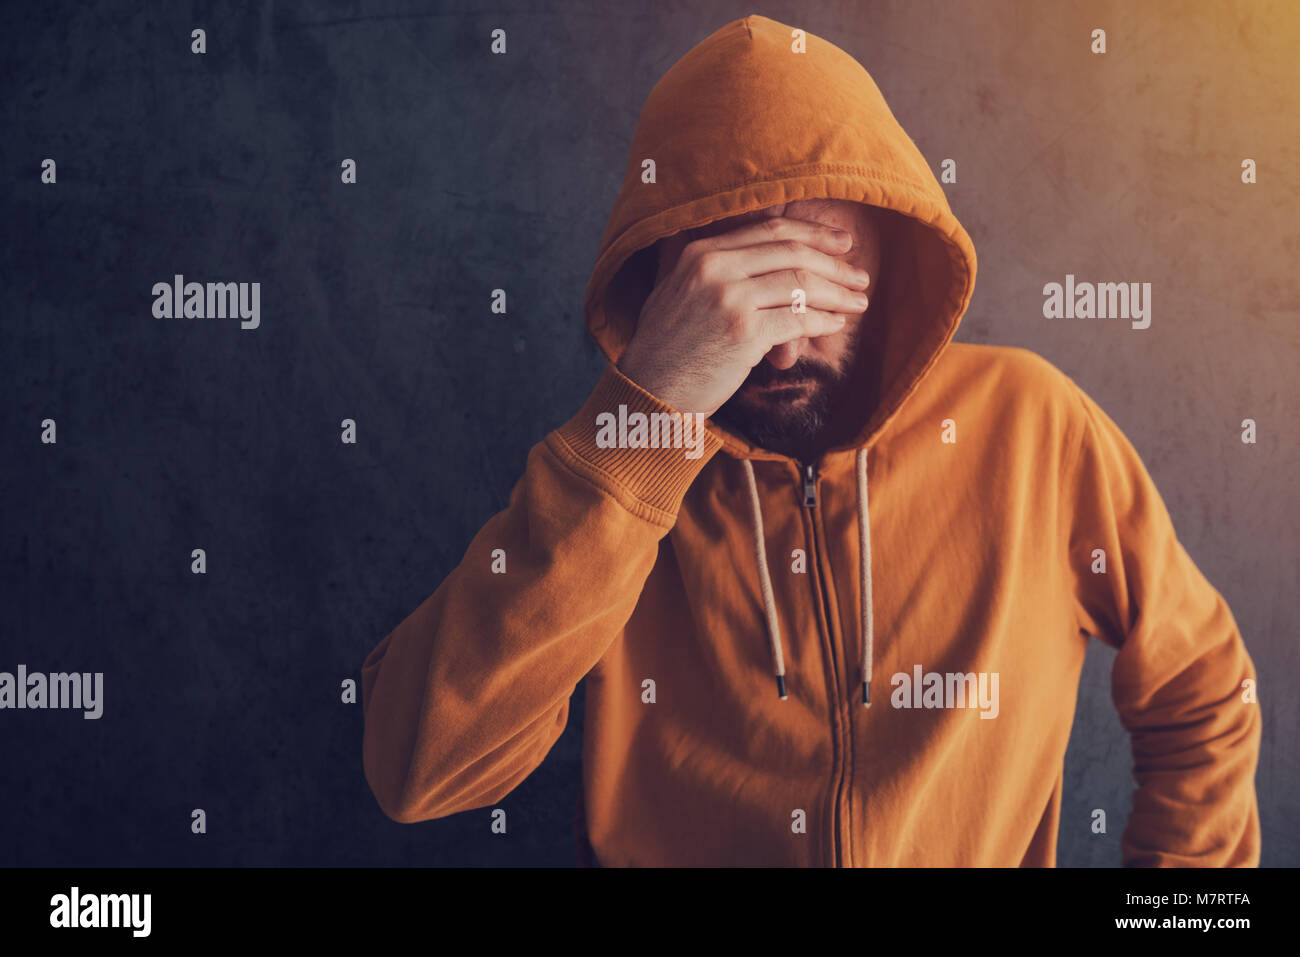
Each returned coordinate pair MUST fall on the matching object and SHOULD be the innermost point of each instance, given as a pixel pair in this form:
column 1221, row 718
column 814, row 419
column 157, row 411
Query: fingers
column 778, row 288
column 792, row 254
column 776, row 229
column 779, row 325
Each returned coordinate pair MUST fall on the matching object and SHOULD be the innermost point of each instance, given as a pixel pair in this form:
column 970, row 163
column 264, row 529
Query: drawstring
column 864, row 575
column 765, row 583
column 864, row 578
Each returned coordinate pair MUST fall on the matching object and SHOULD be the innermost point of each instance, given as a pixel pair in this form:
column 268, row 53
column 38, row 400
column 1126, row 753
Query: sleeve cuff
column 642, row 445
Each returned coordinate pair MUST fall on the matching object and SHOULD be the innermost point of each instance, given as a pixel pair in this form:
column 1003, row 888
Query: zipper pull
column 810, row 486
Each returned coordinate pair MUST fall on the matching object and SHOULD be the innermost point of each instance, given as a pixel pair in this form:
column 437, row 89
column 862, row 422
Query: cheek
column 832, row 348
column 835, row 350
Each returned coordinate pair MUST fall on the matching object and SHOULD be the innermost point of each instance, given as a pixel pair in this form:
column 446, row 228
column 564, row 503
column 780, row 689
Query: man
column 843, row 625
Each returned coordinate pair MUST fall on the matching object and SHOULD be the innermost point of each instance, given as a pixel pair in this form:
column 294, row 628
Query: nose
column 786, row 354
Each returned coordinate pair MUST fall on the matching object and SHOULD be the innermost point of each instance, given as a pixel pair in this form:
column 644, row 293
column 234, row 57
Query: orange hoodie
column 948, row 560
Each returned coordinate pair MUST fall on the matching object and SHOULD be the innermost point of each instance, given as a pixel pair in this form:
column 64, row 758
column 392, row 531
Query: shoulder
column 1012, row 385
column 1017, row 374
column 1013, row 365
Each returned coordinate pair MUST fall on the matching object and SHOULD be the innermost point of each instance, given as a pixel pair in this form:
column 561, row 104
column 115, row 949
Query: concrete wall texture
column 474, row 171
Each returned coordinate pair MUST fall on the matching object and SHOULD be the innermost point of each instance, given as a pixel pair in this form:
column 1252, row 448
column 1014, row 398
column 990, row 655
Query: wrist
column 643, row 378
column 655, row 475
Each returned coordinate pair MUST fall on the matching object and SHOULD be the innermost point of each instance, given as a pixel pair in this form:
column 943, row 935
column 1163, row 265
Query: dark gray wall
column 478, row 171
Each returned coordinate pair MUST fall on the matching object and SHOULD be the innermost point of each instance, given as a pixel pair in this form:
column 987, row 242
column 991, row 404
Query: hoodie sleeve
column 464, row 699
column 1178, row 679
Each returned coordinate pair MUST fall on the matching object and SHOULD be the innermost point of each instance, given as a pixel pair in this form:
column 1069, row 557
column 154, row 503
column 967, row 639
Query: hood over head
column 742, row 123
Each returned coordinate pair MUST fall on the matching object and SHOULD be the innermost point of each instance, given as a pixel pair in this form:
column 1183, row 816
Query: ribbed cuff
column 602, row 437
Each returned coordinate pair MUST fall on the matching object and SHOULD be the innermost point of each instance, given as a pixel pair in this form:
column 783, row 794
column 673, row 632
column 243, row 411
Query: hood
column 741, row 123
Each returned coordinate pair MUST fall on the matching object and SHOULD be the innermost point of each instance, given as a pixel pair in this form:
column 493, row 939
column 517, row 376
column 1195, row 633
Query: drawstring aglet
column 866, row 695
column 780, row 686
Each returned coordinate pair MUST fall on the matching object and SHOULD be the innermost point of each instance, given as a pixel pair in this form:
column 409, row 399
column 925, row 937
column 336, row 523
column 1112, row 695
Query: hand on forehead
column 842, row 213
column 858, row 219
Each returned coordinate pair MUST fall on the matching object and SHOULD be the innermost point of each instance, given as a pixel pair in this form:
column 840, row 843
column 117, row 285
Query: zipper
column 810, row 486
column 844, row 748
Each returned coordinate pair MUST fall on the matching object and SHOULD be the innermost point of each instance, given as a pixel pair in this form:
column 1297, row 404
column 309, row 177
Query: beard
column 789, row 411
